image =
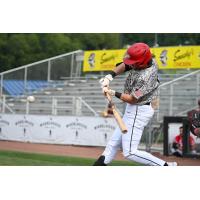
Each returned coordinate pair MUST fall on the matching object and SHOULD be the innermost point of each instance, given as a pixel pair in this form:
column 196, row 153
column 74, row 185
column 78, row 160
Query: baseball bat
column 117, row 116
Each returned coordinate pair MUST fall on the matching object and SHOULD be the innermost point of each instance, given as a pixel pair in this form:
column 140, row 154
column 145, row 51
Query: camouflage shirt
column 143, row 84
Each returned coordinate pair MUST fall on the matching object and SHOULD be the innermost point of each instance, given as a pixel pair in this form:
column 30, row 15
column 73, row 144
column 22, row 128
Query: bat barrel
column 117, row 116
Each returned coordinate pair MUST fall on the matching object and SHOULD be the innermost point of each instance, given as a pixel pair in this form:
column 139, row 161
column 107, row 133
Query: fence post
column 54, row 106
column 73, row 105
column 4, row 104
column 27, row 107
column 25, row 80
column 1, row 85
column 79, row 60
column 171, row 99
column 78, row 105
column 49, row 71
column 71, row 67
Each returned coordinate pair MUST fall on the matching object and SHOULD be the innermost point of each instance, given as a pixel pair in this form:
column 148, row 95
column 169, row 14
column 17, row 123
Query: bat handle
column 108, row 97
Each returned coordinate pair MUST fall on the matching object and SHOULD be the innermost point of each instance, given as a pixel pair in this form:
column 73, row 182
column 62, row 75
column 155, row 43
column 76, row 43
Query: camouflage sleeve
column 145, row 86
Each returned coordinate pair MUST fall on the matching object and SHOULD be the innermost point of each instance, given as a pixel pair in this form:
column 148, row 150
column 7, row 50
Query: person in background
column 177, row 145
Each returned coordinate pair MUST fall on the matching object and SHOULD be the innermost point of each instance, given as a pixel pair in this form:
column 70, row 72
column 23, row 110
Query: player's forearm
column 119, row 69
column 126, row 98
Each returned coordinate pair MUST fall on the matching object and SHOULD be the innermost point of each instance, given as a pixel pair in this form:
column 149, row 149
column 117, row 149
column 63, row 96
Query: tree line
column 18, row 49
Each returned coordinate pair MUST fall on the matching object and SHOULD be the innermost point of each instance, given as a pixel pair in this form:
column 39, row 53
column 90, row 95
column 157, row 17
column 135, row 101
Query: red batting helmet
column 139, row 55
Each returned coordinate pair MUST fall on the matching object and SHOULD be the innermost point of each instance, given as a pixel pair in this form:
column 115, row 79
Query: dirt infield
column 77, row 151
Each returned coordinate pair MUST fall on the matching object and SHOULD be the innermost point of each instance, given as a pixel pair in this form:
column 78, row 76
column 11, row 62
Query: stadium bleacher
column 16, row 87
column 67, row 92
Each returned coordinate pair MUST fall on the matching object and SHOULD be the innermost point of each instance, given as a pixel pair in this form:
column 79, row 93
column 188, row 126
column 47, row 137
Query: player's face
column 133, row 66
column 137, row 67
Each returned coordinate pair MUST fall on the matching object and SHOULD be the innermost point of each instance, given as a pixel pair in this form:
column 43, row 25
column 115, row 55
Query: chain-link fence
column 27, row 78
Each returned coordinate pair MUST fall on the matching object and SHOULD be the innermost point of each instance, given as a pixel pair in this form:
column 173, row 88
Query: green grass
column 11, row 158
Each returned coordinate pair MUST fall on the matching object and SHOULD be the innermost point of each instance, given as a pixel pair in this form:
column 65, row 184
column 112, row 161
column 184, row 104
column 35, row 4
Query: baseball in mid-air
column 31, row 98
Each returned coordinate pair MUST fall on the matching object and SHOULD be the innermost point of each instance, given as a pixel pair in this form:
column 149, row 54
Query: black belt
column 148, row 103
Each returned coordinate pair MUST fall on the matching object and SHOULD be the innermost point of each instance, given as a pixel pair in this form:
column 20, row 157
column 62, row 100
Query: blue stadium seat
column 16, row 87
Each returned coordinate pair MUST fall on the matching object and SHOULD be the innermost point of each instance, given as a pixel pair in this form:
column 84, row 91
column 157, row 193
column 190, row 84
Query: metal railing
column 53, row 68
column 4, row 106
column 179, row 95
column 87, row 105
column 51, row 105
column 176, row 98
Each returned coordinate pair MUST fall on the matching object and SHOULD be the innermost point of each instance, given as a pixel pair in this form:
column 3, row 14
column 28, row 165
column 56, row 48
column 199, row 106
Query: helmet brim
column 128, row 61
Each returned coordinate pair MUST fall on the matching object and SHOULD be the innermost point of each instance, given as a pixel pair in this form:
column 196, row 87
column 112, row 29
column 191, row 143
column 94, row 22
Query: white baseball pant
column 136, row 117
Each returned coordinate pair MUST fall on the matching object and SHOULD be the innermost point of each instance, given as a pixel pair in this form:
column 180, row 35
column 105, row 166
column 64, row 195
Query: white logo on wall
column 76, row 126
column 94, row 131
column 24, row 123
column 105, row 128
column 51, row 125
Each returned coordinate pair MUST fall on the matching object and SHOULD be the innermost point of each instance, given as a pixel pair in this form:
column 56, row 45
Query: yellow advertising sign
column 179, row 57
column 102, row 60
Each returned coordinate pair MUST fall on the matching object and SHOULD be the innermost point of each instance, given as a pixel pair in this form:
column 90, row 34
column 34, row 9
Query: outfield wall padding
column 71, row 130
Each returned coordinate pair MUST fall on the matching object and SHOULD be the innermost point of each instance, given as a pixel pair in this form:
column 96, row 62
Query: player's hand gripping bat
column 117, row 116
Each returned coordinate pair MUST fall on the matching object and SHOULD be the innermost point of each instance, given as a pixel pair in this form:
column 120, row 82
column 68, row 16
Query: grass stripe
column 13, row 158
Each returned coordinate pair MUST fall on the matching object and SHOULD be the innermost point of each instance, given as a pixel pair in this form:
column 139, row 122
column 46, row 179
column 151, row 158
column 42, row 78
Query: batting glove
column 106, row 80
column 109, row 91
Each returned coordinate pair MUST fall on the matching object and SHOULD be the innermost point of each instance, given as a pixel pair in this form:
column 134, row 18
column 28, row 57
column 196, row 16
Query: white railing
column 52, row 105
column 48, row 69
column 87, row 105
column 4, row 106
column 170, row 106
column 168, row 94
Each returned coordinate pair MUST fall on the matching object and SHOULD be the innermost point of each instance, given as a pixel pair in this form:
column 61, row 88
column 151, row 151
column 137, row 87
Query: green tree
column 18, row 49
column 3, row 55
column 93, row 41
column 54, row 44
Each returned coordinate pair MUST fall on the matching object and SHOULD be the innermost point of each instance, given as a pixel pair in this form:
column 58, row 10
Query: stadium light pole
column 121, row 40
column 156, row 40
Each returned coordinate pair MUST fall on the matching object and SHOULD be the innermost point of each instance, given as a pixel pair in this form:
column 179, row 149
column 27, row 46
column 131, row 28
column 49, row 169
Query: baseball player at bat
column 141, row 87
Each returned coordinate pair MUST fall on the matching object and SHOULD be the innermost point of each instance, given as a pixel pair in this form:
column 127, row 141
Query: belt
column 148, row 103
